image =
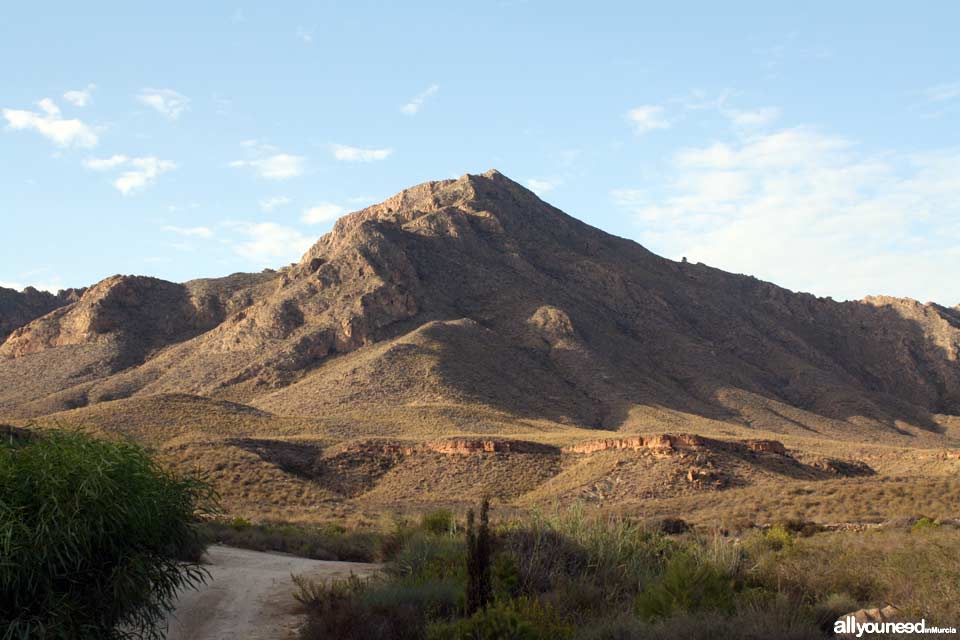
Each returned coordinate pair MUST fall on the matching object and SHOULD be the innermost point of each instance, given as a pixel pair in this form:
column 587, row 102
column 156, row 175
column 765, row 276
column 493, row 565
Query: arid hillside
column 470, row 307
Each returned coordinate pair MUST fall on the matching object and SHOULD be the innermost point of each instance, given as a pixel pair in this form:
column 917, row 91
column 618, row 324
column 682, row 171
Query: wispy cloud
column 165, row 101
column 280, row 166
column 413, row 107
column 543, row 185
column 648, row 118
column 753, row 117
column 48, row 122
column 269, row 163
column 322, row 212
column 190, row 232
column 105, row 164
column 270, row 243
column 347, row 153
column 943, row 92
column 140, row 172
column 798, row 206
column 269, row 204
column 80, row 97
column 305, row 35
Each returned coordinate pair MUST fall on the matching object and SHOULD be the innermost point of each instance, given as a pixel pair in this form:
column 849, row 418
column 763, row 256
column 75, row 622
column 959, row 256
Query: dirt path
column 249, row 595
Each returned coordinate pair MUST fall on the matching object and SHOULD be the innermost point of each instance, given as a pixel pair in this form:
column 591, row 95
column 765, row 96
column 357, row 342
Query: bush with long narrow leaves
column 92, row 537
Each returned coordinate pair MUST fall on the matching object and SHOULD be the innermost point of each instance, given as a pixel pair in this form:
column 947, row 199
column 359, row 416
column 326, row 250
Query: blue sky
column 816, row 146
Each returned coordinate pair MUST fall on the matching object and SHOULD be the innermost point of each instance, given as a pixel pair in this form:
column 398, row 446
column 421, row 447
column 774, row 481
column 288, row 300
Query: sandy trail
column 249, row 595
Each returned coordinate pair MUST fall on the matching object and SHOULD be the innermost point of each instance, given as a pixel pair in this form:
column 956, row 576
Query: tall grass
column 92, row 537
column 571, row 574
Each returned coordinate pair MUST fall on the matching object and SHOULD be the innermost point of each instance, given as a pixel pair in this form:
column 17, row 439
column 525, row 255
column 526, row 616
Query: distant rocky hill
column 474, row 292
column 17, row 308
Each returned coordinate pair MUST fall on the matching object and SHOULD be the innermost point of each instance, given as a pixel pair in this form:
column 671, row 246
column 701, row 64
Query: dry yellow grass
column 282, row 468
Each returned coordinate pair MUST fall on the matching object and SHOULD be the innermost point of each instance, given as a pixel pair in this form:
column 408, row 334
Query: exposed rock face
column 474, row 291
column 17, row 308
column 667, row 443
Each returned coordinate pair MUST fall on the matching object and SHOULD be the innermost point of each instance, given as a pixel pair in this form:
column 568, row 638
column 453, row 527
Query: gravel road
column 249, row 595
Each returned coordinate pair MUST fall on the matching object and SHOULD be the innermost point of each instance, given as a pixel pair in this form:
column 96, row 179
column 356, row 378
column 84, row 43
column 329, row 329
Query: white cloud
column 140, row 173
column 648, row 118
column 271, row 243
column 753, row 117
column 810, row 211
column 943, row 92
column 279, row 166
column 190, row 232
column 269, row 204
column 165, row 101
column 49, row 124
column 143, row 173
column 305, row 35
column 356, row 154
column 541, row 185
column 323, row 212
column 80, row 97
column 105, row 164
column 414, row 106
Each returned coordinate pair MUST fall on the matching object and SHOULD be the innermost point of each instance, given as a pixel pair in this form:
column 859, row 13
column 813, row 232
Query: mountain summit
column 473, row 295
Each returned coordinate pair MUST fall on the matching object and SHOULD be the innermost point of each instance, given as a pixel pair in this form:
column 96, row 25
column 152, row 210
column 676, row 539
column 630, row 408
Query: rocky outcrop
column 147, row 312
column 448, row 446
column 18, row 308
column 666, row 443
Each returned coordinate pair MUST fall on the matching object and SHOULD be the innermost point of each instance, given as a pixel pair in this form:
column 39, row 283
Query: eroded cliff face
column 476, row 291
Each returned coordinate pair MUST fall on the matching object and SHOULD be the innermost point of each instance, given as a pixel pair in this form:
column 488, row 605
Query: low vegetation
column 95, row 537
column 574, row 576
column 328, row 542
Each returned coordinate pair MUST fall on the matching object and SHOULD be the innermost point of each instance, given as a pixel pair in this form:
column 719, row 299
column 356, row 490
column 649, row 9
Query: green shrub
column 425, row 556
column 375, row 608
column 924, row 524
column 686, row 586
column 522, row 619
column 321, row 596
column 438, row 521
column 91, row 533
column 776, row 538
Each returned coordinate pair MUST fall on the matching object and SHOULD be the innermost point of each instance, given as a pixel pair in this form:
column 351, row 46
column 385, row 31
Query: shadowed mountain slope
column 474, row 292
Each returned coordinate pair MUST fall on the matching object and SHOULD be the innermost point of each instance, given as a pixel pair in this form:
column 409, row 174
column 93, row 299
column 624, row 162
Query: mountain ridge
column 492, row 296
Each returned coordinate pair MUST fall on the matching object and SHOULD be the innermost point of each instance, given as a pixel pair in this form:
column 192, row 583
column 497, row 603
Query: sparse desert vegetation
column 578, row 576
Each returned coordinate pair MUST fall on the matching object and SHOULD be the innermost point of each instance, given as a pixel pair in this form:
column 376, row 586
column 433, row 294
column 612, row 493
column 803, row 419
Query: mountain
column 472, row 306
column 17, row 308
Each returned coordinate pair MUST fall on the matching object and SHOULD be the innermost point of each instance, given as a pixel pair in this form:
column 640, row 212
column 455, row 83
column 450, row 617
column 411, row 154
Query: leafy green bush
column 91, row 536
column 687, row 586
